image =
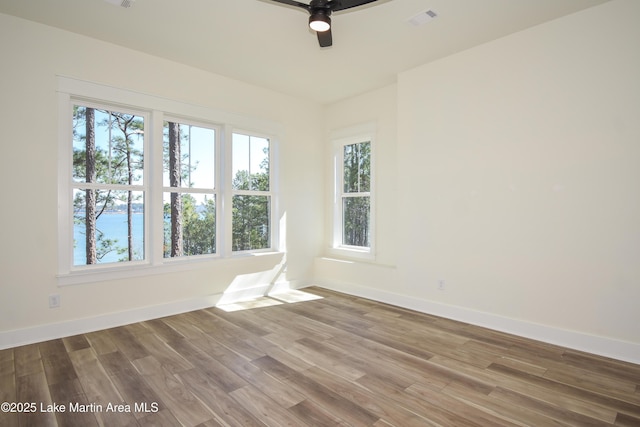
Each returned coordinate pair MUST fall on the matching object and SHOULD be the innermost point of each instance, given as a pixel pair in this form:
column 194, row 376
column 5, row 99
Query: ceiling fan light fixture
column 319, row 21
column 320, row 12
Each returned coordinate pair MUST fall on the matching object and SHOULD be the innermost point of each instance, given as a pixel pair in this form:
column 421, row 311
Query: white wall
column 517, row 184
column 33, row 55
column 509, row 170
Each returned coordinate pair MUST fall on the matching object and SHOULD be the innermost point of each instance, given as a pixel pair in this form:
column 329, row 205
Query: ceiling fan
column 320, row 12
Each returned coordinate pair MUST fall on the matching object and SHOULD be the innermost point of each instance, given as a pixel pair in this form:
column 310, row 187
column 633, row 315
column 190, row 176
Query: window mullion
column 100, row 186
column 189, row 153
column 156, row 208
column 227, row 189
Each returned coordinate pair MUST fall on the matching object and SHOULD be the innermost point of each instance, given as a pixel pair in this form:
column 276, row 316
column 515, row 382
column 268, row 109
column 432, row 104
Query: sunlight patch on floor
column 286, row 297
column 293, row 295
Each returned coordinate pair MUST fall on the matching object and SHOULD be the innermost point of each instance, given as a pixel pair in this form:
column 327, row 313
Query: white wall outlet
column 441, row 285
column 54, row 301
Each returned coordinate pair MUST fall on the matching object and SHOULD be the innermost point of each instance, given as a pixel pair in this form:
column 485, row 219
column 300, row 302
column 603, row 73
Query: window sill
column 116, row 272
column 354, row 253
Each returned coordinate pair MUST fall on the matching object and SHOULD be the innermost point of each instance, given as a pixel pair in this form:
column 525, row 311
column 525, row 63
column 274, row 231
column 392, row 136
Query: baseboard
column 616, row 349
column 40, row 333
column 602, row 346
column 51, row 331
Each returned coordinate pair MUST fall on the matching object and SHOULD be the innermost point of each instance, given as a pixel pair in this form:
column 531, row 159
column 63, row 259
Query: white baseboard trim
column 616, row 349
column 51, row 331
column 40, row 333
column 602, row 346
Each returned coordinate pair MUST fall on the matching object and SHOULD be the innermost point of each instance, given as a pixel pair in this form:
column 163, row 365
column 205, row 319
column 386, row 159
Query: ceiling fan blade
column 338, row 5
column 324, row 38
column 293, row 3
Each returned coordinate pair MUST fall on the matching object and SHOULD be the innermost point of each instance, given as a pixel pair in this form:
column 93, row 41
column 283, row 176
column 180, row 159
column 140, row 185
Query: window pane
column 250, row 166
column 259, row 163
column 240, row 164
column 357, row 167
column 189, row 224
column 355, row 222
column 107, row 146
column 189, row 156
column 115, row 229
column 251, row 226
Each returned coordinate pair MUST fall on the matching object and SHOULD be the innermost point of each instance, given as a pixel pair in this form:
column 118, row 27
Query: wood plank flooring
column 336, row 360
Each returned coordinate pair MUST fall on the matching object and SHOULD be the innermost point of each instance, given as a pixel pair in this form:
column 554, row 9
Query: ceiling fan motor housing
column 319, row 20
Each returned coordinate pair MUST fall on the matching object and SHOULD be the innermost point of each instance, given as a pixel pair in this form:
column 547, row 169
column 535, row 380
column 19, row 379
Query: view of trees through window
column 251, row 197
column 109, row 192
column 189, row 190
column 108, row 196
column 356, row 203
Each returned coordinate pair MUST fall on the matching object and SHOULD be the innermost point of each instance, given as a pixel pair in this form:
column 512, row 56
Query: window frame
column 231, row 192
column 215, row 191
column 155, row 111
column 77, row 185
column 340, row 139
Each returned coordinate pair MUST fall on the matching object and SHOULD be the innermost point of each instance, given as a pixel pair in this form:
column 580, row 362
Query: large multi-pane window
column 108, row 185
column 251, row 184
column 189, row 190
column 142, row 187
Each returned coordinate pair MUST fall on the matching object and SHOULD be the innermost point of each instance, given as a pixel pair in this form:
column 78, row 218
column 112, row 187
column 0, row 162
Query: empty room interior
column 213, row 214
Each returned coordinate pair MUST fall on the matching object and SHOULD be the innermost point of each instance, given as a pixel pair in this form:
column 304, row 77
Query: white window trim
column 230, row 192
column 216, row 191
column 71, row 185
column 155, row 110
column 352, row 135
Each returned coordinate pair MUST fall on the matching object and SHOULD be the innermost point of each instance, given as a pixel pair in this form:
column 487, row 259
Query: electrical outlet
column 441, row 285
column 54, row 301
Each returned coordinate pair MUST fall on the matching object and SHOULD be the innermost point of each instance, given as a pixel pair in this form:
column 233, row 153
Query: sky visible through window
column 198, row 152
column 249, row 153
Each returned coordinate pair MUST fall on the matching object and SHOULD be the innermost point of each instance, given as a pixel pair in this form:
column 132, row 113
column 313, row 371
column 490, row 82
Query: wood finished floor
column 333, row 361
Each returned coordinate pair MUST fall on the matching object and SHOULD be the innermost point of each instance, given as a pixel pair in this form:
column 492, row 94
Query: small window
column 108, row 186
column 251, row 193
column 356, row 194
column 354, row 185
column 189, row 195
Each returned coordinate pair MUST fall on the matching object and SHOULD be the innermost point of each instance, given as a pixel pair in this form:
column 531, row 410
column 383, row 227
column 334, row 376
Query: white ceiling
column 270, row 45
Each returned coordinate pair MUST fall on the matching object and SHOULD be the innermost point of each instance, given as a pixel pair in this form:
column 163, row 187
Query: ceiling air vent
column 123, row 3
column 423, row 17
